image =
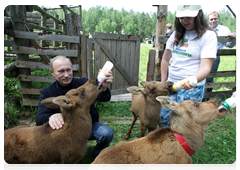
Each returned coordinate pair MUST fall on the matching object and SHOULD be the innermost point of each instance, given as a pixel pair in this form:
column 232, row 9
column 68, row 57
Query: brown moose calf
column 42, row 144
column 145, row 106
column 162, row 146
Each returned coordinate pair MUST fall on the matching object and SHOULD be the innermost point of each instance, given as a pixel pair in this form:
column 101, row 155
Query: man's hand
column 56, row 121
column 232, row 35
column 108, row 80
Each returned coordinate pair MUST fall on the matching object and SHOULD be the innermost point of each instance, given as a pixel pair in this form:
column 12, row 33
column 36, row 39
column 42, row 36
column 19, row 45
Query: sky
column 144, row 6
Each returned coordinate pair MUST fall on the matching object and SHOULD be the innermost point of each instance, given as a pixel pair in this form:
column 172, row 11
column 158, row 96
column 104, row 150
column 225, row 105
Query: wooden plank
column 38, row 65
column 116, row 36
column 23, row 77
column 137, row 60
column 35, row 91
column 8, row 43
column 119, row 91
column 18, row 14
column 84, row 55
column 120, row 56
column 222, row 74
column 226, row 39
column 44, row 51
column 116, row 63
column 36, row 45
column 97, row 64
column 121, row 97
column 163, row 38
column 35, row 7
column 35, row 26
column 30, row 102
column 151, row 65
column 218, row 94
column 41, row 36
column 220, row 84
column 89, row 59
column 226, row 52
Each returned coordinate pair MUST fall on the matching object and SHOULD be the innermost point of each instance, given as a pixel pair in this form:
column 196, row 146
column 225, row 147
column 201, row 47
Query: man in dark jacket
column 61, row 69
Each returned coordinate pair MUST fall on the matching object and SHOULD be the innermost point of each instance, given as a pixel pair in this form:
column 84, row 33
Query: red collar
column 184, row 144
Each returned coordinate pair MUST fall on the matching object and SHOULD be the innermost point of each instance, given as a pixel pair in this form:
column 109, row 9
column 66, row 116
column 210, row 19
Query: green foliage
column 11, row 114
column 226, row 19
column 107, row 19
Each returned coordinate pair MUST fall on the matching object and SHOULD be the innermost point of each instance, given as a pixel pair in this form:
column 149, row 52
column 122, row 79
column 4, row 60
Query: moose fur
column 42, row 144
column 145, row 106
column 188, row 118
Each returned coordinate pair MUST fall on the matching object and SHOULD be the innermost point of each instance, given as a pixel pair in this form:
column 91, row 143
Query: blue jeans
column 103, row 134
column 195, row 94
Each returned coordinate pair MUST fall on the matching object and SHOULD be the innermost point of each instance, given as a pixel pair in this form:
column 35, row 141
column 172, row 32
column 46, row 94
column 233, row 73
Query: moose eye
column 196, row 104
column 82, row 93
column 153, row 90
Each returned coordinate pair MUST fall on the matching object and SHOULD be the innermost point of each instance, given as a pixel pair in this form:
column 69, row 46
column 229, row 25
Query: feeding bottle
column 230, row 103
column 190, row 80
column 106, row 68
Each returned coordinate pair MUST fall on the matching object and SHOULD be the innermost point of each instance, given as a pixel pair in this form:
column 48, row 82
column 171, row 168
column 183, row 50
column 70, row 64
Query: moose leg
column 151, row 129
column 133, row 122
column 143, row 130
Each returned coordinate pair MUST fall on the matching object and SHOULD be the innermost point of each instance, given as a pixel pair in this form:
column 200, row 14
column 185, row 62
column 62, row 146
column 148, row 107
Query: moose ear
column 168, row 103
column 143, row 83
column 63, row 102
column 48, row 102
column 136, row 90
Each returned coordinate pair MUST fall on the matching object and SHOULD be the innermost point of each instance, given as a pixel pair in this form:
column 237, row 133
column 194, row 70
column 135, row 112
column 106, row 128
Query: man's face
column 62, row 71
column 213, row 20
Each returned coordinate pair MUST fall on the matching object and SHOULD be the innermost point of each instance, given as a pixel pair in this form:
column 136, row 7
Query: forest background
column 107, row 19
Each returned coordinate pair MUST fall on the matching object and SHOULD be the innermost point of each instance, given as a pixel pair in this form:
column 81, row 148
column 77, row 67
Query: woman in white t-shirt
column 192, row 47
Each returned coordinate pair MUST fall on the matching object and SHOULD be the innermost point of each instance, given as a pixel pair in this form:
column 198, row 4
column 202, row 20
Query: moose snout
column 95, row 81
column 219, row 101
column 170, row 88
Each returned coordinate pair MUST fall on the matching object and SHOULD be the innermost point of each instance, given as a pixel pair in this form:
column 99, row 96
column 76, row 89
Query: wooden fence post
column 43, row 24
column 18, row 16
column 80, row 15
column 161, row 22
column 65, row 25
column 55, row 25
column 73, row 27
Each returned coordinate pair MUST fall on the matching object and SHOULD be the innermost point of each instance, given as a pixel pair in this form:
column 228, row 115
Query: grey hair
column 55, row 58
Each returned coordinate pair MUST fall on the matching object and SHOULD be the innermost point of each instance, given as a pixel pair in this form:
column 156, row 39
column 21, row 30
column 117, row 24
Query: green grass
column 144, row 52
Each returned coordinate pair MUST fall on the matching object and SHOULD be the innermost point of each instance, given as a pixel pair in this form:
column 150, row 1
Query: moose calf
column 145, row 106
column 162, row 146
column 42, row 144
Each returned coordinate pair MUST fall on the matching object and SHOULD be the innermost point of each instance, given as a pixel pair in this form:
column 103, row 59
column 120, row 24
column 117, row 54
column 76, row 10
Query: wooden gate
column 124, row 52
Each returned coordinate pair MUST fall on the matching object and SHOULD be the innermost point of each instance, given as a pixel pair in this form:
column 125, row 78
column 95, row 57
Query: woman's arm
column 203, row 72
column 167, row 55
column 205, row 68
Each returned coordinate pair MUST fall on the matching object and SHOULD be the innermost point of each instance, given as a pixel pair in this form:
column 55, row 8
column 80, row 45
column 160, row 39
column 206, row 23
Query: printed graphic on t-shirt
column 182, row 48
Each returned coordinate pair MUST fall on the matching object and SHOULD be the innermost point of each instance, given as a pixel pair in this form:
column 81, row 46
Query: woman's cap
column 188, row 10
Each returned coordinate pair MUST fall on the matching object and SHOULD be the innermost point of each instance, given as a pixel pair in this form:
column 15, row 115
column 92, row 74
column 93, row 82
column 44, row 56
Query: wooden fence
column 222, row 52
column 22, row 42
column 122, row 50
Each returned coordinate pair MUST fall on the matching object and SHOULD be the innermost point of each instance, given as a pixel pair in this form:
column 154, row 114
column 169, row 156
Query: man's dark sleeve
column 43, row 112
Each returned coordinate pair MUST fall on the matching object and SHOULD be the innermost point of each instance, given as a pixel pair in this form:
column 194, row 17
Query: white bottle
column 106, row 68
column 230, row 103
column 190, row 80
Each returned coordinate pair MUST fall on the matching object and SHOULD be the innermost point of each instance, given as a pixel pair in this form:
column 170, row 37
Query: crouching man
column 61, row 69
